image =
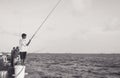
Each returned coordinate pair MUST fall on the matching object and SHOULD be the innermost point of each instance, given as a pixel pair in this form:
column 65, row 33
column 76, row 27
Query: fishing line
column 46, row 19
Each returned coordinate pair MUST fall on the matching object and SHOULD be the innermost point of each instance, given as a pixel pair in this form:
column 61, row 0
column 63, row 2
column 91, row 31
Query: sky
column 75, row 26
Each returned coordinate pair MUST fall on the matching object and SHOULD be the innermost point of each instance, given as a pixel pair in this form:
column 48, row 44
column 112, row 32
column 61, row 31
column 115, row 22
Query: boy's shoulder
column 23, row 40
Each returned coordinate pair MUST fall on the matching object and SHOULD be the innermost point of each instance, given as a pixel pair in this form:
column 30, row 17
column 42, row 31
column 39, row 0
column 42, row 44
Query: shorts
column 23, row 55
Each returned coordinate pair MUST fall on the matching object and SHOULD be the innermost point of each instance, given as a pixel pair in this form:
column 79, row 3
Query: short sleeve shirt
column 23, row 45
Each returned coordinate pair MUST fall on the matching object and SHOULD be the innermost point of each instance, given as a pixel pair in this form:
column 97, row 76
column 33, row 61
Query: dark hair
column 23, row 34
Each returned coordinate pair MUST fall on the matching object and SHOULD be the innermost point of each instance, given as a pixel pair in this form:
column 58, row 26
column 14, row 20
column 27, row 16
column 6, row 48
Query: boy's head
column 24, row 36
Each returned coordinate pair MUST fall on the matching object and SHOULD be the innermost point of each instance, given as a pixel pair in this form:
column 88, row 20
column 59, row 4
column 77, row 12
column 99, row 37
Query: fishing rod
column 45, row 19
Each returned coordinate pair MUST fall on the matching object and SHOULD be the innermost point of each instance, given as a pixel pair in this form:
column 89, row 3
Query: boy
column 23, row 45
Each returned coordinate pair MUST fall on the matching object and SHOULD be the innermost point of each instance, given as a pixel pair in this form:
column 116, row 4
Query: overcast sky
column 76, row 26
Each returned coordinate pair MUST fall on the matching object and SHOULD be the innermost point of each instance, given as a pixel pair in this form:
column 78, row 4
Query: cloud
column 81, row 5
column 112, row 25
column 5, row 32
